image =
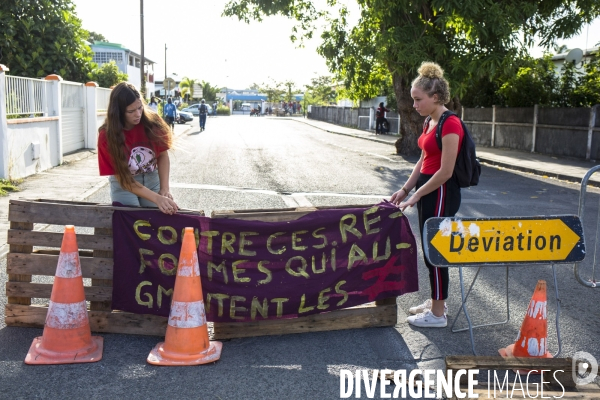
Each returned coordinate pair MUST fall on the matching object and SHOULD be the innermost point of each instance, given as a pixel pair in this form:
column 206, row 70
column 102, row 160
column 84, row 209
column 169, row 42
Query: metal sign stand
column 438, row 258
column 592, row 282
column 470, row 327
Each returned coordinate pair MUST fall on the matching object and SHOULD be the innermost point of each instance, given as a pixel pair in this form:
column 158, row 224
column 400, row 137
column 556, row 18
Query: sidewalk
column 568, row 169
column 75, row 180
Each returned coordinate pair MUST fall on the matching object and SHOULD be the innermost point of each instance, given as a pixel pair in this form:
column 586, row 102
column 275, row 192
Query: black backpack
column 203, row 109
column 467, row 168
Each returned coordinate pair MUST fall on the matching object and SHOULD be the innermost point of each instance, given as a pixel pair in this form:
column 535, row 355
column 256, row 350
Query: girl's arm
column 163, row 198
column 449, row 152
column 410, row 183
column 164, row 168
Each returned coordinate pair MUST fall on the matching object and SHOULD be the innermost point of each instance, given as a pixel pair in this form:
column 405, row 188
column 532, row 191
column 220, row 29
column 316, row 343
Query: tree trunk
column 411, row 123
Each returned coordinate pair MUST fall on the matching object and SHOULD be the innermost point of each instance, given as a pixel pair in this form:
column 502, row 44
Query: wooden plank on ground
column 497, row 362
column 351, row 318
column 100, row 321
column 534, row 391
column 44, row 290
column 54, row 239
column 44, row 264
column 22, row 249
column 89, row 215
column 107, row 281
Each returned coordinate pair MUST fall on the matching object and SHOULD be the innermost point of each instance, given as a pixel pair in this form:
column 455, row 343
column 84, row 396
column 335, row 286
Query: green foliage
column 532, row 84
column 587, row 92
column 470, row 39
column 182, row 105
column 107, row 75
column 44, row 37
column 321, row 91
column 209, row 92
column 273, row 90
column 96, row 37
column 187, row 85
column 289, row 94
column 537, row 82
column 223, row 110
column 8, row 186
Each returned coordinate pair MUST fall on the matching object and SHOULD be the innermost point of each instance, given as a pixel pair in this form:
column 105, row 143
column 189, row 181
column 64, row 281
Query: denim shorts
column 125, row 197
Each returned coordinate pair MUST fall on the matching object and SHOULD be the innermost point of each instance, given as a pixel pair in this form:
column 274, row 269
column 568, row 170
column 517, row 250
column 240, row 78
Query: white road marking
column 293, row 199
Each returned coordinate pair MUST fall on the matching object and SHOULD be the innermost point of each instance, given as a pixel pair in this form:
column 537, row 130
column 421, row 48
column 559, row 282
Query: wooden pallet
column 35, row 253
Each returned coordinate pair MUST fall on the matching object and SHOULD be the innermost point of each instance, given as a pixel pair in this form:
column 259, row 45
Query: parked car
column 194, row 109
column 183, row 117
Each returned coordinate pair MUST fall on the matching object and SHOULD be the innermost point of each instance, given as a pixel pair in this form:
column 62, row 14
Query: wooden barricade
column 35, row 253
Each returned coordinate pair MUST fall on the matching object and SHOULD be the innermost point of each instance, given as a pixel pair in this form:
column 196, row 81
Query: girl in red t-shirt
column 132, row 150
column 437, row 194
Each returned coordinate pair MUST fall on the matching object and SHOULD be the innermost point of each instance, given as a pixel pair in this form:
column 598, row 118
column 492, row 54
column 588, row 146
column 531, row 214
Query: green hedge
column 223, row 110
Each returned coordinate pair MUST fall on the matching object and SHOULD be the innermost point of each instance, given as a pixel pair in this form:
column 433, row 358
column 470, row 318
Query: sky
column 202, row 44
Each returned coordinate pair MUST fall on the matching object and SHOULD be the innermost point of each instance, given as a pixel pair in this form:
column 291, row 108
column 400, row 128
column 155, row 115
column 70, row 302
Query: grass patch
column 7, row 186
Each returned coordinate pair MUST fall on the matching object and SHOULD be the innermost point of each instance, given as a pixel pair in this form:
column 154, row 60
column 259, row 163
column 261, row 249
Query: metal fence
column 26, row 96
column 102, row 97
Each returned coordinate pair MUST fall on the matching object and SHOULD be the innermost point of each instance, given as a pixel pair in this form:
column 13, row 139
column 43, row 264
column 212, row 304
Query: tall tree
column 44, row 37
column 209, row 92
column 188, row 83
column 273, row 90
column 321, row 91
column 96, row 37
column 470, row 39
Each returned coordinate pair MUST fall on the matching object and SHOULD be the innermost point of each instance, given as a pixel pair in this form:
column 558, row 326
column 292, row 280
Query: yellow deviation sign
column 455, row 241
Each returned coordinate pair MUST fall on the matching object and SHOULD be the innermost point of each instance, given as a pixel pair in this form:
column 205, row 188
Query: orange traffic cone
column 186, row 341
column 533, row 338
column 67, row 336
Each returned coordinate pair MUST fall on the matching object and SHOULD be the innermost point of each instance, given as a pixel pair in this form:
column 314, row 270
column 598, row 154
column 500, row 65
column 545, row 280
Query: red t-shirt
column 142, row 154
column 433, row 155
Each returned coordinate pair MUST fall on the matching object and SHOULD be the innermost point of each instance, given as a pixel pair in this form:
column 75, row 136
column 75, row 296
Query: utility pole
column 165, row 81
column 143, row 63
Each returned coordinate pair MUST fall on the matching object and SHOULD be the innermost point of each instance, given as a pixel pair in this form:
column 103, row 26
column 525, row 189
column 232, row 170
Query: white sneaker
column 425, row 306
column 428, row 320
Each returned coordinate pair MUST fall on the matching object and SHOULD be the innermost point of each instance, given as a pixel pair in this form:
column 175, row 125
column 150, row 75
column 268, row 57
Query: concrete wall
column 32, row 144
column 23, row 136
column 360, row 118
column 568, row 132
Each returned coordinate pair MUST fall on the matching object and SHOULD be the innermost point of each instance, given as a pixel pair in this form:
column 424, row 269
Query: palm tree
column 189, row 84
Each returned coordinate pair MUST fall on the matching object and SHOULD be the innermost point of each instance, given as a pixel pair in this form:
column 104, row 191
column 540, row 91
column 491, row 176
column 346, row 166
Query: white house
column 587, row 56
column 127, row 61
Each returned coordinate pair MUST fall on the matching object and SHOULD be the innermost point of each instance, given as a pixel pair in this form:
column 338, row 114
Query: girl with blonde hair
column 437, row 193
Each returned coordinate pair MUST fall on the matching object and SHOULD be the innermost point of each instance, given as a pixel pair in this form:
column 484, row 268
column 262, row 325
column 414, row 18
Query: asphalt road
column 240, row 162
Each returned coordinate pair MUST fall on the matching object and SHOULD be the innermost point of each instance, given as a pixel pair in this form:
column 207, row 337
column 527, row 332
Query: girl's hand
column 165, row 193
column 166, row 205
column 398, row 197
column 414, row 199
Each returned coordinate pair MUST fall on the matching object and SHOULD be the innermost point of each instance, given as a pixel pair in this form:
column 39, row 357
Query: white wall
column 133, row 76
column 21, row 140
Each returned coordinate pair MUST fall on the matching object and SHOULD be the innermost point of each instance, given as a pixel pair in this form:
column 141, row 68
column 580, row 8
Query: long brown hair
column 156, row 129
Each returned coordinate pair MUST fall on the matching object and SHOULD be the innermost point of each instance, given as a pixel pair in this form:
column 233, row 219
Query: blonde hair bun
column 431, row 70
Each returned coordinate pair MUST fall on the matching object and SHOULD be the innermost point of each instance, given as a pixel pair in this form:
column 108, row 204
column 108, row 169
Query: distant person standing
column 203, row 111
column 215, row 108
column 170, row 113
column 153, row 105
column 380, row 114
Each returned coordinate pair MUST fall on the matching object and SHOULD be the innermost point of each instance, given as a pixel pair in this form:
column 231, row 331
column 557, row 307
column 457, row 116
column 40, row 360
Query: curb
column 488, row 161
column 341, row 133
column 513, row 167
